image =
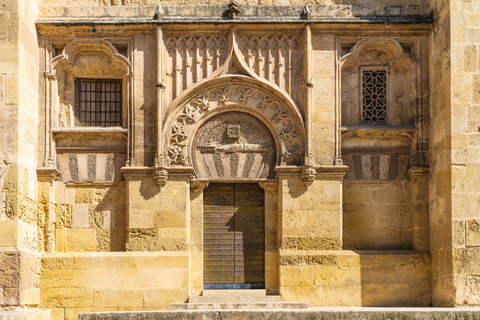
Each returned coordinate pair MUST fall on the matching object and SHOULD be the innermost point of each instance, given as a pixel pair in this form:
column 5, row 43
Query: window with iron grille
column 374, row 95
column 99, row 103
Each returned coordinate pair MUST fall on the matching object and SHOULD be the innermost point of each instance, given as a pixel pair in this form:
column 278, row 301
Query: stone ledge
column 313, row 313
column 31, row 314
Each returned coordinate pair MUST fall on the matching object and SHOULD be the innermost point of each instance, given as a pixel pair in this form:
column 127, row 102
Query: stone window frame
column 361, row 87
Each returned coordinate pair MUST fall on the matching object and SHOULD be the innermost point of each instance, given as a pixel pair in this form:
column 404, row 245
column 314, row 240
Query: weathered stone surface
column 347, row 314
column 297, row 72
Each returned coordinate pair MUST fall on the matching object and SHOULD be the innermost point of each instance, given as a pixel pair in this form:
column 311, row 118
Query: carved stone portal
column 233, row 146
column 282, row 119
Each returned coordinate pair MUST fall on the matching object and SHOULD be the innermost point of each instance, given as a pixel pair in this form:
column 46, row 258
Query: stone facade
column 359, row 121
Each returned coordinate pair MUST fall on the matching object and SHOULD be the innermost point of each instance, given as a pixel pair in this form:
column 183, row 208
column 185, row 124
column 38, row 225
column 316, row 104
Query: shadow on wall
column 397, row 278
column 109, row 219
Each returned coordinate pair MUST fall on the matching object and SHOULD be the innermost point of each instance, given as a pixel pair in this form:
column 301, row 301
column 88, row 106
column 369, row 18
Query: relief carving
column 261, row 101
column 274, row 58
column 233, row 145
column 191, row 59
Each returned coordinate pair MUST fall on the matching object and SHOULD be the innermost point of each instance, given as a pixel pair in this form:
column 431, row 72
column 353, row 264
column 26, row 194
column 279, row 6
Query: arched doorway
column 230, row 150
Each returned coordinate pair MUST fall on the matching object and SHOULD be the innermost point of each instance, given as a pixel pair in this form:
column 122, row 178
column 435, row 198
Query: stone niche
column 86, row 59
column 85, row 153
column 233, row 146
column 379, row 74
column 379, row 55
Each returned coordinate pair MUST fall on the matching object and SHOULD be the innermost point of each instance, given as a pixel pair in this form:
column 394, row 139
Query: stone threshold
column 296, row 314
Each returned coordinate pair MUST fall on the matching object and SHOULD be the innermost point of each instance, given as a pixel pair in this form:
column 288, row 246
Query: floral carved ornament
column 241, row 97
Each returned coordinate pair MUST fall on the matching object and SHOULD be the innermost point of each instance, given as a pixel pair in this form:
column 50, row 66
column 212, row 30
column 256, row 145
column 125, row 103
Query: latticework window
column 99, row 103
column 374, row 95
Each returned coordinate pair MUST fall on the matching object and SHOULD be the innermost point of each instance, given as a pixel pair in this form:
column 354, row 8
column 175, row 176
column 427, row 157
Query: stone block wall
column 377, row 215
column 158, row 219
column 356, row 278
column 19, row 280
column 90, row 218
column 310, row 219
column 464, row 159
column 73, row 283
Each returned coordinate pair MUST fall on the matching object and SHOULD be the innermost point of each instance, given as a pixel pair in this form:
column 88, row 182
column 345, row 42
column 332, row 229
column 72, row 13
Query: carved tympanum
column 231, row 146
column 248, row 97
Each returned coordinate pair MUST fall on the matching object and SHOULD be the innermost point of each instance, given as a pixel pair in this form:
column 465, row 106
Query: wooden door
column 234, row 236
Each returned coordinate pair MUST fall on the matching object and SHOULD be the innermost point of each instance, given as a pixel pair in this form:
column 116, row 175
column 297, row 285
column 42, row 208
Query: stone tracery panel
column 274, row 58
column 191, row 59
column 374, row 95
column 191, row 114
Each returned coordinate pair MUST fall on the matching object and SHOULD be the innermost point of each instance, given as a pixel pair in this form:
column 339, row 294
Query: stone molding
column 214, row 13
column 405, row 134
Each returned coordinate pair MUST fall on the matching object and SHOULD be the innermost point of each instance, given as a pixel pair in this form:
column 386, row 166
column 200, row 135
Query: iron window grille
column 99, row 103
column 374, row 95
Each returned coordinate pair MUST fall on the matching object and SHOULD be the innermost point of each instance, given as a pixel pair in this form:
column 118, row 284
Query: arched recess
column 402, row 80
column 90, row 58
column 84, row 58
column 234, row 93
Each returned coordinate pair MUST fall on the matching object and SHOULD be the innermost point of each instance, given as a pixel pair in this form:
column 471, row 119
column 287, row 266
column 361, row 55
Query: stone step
column 292, row 314
column 236, row 292
column 237, row 305
column 233, row 298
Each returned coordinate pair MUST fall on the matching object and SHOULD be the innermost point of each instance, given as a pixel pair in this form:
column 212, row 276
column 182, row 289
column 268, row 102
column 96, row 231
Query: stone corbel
column 160, row 176
column 308, row 175
column 418, row 172
column 269, row 185
column 198, row 185
column 47, row 174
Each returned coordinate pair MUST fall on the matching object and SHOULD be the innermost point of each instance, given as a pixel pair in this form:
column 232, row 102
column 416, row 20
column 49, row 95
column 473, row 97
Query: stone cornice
column 249, row 14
